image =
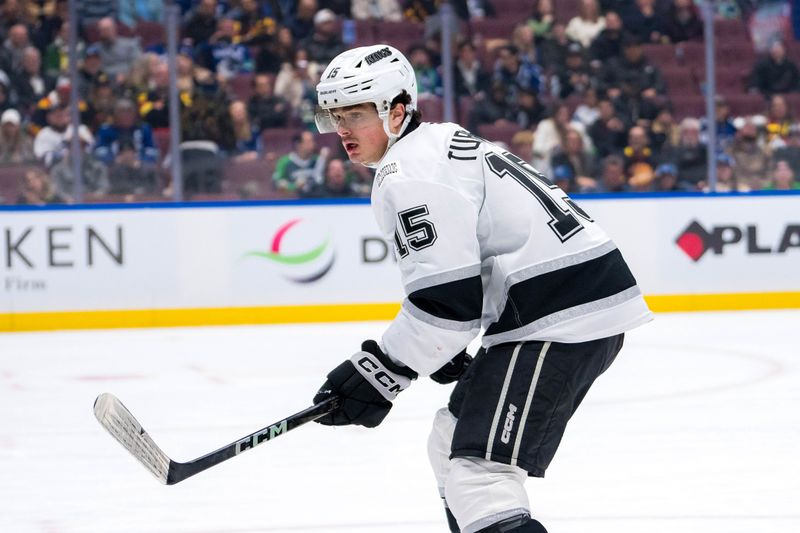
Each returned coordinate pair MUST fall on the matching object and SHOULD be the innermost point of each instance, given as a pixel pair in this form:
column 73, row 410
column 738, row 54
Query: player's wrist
column 375, row 366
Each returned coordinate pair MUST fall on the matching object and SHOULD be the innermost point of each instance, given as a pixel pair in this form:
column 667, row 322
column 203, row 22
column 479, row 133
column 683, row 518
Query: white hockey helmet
column 375, row 74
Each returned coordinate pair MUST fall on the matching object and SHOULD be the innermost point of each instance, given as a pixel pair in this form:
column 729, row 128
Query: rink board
column 271, row 262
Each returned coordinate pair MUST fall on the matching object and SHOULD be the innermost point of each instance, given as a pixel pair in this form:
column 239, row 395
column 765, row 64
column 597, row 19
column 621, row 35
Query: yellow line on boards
column 723, row 302
column 145, row 318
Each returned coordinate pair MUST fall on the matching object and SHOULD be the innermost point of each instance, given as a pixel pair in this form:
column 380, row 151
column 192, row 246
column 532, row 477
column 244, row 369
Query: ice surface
column 695, row 428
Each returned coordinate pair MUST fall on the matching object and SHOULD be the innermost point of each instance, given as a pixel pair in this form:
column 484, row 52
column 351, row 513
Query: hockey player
column 483, row 240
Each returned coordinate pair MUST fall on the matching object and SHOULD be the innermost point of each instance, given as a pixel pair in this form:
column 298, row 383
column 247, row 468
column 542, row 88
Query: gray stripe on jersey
column 443, row 277
column 443, row 323
column 501, row 401
column 528, row 400
column 559, row 263
column 561, row 316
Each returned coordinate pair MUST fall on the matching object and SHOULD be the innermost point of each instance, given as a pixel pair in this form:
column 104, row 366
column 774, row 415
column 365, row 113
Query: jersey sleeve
column 435, row 236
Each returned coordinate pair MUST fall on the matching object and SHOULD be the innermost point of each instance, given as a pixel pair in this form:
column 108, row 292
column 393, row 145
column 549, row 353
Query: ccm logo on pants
column 505, row 437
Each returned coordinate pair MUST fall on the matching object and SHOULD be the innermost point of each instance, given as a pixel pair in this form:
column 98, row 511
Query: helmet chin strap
column 392, row 137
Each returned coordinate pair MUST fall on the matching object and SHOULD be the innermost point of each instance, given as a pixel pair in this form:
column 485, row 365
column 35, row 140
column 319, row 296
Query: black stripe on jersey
column 460, row 300
column 555, row 291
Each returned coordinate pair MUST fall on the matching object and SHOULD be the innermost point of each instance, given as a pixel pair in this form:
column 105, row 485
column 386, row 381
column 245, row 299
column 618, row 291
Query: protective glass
column 329, row 121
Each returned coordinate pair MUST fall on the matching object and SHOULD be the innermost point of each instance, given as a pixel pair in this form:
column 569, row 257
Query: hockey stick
column 122, row 425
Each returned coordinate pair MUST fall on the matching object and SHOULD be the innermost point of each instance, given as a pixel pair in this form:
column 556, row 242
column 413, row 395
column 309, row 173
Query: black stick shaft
column 180, row 471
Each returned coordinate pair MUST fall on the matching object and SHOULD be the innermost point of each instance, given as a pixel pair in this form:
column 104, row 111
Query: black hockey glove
column 453, row 370
column 367, row 384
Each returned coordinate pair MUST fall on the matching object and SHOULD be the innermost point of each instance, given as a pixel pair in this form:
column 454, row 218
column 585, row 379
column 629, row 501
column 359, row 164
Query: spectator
column 117, row 54
column 523, row 38
column 790, row 152
column 90, row 71
column 724, row 122
column 101, row 100
column 612, row 175
column 515, row 72
column 469, row 76
column 563, row 177
column 553, row 51
column 245, row 144
column 638, row 149
column 377, row 10
column 470, row 10
column 726, row 178
column 28, row 83
column 690, row 156
column 664, row 135
column 297, row 83
column 493, row 110
column 202, row 22
column 48, row 145
column 50, row 25
column 683, row 22
column 587, row 112
column 302, row 22
column 16, row 147
column 223, row 55
column 608, row 132
column 779, row 122
column 36, row 188
column 574, row 77
column 529, row 110
column 337, row 182
column 608, row 43
column 275, row 52
column 13, row 12
column 254, row 25
column 13, row 48
column 142, row 72
column 428, row 81
column 522, row 145
column 125, row 133
column 633, row 82
column 419, row 10
column 775, row 73
column 666, row 178
column 265, row 108
column 581, row 163
column 56, row 54
column 751, row 161
column 551, row 134
column 783, row 178
column 641, row 177
column 129, row 175
column 129, row 12
column 60, row 97
column 644, row 21
column 541, row 20
column 154, row 102
column 585, row 26
column 92, row 11
column 325, row 42
column 294, row 172
column 193, row 78
column 94, row 174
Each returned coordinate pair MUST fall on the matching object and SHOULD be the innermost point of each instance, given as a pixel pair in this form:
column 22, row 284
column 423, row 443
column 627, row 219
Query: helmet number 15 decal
column 417, row 232
column 561, row 208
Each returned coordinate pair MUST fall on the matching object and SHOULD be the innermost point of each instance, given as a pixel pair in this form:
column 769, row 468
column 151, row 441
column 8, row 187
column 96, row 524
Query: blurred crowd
column 577, row 97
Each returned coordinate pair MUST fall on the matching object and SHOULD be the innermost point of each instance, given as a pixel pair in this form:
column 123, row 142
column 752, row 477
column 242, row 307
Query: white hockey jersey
column 483, row 240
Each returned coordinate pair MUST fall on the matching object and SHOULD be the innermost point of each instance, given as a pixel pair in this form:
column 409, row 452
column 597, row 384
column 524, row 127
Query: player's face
column 361, row 131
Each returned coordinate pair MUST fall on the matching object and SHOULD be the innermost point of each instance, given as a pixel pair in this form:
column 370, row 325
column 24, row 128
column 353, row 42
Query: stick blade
column 122, row 425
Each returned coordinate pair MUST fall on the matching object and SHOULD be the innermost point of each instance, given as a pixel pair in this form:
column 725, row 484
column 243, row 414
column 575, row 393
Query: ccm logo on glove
column 384, row 380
